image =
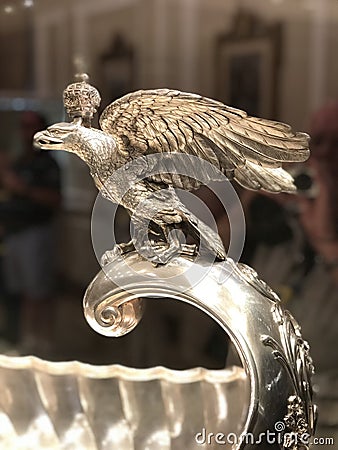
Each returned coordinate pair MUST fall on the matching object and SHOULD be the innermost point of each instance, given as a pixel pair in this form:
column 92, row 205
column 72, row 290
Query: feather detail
column 170, row 121
column 252, row 176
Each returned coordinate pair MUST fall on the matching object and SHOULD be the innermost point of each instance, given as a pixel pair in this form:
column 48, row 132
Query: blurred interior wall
column 173, row 44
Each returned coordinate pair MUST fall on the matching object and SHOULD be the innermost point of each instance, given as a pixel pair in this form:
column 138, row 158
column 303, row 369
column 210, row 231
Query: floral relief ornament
column 294, row 356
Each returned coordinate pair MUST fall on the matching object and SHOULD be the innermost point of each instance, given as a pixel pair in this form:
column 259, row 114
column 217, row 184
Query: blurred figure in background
column 8, row 310
column 32, row 188
column 292, row 242
column 317, row 305
column 319, row 216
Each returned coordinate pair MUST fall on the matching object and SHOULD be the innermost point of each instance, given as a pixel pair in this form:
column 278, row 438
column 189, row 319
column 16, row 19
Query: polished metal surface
column 268, row 340
column 71, row 405
column 171, row 124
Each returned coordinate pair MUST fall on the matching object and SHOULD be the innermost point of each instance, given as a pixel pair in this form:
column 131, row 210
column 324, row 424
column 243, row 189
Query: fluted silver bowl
column 71, row 405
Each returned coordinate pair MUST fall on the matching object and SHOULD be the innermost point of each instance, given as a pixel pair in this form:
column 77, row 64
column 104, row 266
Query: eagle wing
column 248, row 149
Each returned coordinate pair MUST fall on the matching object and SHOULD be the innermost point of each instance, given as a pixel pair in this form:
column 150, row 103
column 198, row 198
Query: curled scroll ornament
column 233, row 295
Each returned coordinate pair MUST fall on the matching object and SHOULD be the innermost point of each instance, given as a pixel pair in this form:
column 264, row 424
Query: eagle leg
column 117, row 251
column 158, row 252
column 175, row 239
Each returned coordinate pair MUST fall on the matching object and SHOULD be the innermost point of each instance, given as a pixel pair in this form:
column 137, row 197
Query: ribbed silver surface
column 71, row 405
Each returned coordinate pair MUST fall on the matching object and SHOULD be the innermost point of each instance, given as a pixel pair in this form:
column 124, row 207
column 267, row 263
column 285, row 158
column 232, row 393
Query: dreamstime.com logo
column 189, row 171
column 279, row 436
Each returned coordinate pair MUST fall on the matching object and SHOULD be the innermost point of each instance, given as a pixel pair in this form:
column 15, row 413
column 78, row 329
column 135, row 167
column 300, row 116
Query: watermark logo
column 278, row 436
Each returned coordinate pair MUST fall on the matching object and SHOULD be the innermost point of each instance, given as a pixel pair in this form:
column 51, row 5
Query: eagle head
column 60, row 136
column 91, row 145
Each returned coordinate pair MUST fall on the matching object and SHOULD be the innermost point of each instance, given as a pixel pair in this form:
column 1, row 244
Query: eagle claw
column 116, row 252
column 158, row 256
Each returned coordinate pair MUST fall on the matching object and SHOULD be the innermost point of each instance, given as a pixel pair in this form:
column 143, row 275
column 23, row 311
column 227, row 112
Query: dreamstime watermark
column 167, row 169
column 278, row 436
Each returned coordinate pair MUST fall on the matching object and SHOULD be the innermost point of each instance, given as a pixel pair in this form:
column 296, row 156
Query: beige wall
column 174, row 42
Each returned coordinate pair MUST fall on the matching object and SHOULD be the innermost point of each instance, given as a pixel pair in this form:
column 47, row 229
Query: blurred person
column 9, row 311
column 317, row 307
column 32, row 187
column 292, row 242
column 319, row 216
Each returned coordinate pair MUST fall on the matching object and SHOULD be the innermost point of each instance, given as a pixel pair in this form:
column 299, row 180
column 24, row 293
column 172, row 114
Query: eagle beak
column 44, row 140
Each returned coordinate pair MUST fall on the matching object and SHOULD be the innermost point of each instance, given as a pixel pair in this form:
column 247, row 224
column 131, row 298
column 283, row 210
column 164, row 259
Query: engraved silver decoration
column 81, row 100
column 267, row 338
column 73, row 405
column 295, row 420
column 246, row 149
column 293, row 354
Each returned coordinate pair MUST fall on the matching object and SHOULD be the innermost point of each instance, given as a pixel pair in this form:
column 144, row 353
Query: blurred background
column 274, row 58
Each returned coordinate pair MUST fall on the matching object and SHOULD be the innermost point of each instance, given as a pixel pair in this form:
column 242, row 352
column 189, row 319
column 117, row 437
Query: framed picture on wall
column 117, row 69
column 247, row 67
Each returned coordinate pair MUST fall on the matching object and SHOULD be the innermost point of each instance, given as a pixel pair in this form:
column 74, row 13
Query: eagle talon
column 159, row 256
column 117, row 251
column 189, row 249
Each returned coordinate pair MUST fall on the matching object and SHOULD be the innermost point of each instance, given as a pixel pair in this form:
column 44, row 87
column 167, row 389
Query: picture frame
column 247, row 66
column 117, row 68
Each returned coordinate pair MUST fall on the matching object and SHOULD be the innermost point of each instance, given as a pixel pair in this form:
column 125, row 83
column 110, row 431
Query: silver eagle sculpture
column 246, row 149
